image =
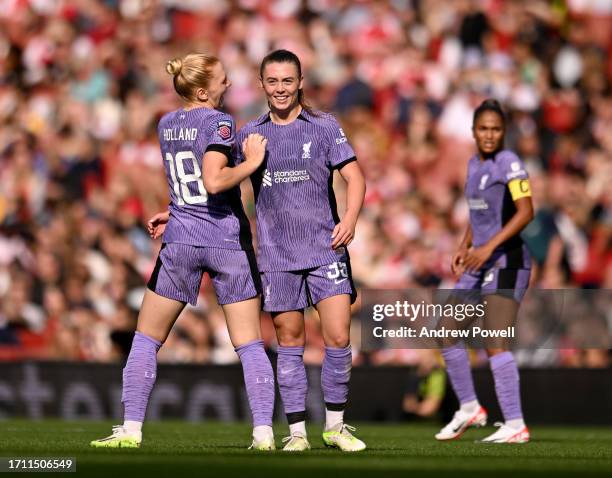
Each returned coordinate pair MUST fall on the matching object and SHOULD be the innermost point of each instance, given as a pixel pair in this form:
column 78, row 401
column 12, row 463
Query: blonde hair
column 190, row 73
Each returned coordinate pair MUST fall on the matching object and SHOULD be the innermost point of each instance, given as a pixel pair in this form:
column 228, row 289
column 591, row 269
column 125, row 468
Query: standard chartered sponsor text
column 291, row 176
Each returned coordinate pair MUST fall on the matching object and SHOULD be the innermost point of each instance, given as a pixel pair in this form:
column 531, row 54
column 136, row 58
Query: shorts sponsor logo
column 488, row 278
column 306, row 150
column 224, row 129
column 477, row 204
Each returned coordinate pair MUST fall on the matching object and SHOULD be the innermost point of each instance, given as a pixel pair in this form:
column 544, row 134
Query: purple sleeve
column 339, row 151
column 511, row 167
column 221, row 134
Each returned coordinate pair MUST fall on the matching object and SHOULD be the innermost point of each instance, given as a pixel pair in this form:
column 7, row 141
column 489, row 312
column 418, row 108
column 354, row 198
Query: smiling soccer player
column 303, row 243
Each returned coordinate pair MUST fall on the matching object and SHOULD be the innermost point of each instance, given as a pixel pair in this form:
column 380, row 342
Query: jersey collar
column 304, row 116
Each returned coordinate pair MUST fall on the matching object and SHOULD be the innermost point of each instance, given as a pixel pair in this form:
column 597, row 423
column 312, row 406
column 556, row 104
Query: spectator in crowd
column 82, row 87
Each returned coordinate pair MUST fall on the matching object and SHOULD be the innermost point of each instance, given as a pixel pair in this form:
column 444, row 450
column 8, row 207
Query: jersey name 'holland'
column 294, row 198
column 196, row 217
column 491, row 206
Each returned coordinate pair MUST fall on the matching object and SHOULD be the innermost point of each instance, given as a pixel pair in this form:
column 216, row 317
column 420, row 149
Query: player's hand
column 157, row 224
column 458, row 260
column 344, row 233
column 254, row 149
column 476, row 257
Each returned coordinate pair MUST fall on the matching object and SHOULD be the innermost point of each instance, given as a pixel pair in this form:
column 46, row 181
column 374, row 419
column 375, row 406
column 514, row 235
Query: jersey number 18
column 182, row 193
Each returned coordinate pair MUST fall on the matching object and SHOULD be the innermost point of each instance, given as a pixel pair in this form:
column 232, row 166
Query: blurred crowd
column 83, row 85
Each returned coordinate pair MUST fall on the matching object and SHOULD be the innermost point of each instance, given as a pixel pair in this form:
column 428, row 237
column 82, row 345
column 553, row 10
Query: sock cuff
column 296, row 417
column 335, row 407
column 141, row 336
column 456, row 350
column 295, row 351
column 499, row 360
column 338, row 352
column 252, row 345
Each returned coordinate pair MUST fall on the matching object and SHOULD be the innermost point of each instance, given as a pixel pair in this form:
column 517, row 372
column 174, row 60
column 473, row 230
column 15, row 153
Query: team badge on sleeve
column 224, row 129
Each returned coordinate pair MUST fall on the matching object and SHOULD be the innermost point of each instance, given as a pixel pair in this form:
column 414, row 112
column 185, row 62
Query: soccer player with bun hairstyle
column 206, row 231
column 492, row 259
column 302, row 243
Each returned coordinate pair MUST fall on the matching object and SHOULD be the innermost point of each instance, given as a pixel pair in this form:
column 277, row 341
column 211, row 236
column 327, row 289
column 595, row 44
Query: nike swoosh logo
column 285, row 372
column 455, row 430
column 339, row 281
column 342, row 371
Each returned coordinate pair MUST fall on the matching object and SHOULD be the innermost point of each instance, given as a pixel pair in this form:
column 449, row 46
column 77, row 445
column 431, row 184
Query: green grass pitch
column 178, row 449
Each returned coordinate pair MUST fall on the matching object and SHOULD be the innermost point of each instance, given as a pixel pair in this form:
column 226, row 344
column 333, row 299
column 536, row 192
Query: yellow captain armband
column 519, row 188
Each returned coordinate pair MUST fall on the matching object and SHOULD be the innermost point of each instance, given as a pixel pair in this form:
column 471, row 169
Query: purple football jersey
column 196, row 217
column 491, row 206
column 294, row 198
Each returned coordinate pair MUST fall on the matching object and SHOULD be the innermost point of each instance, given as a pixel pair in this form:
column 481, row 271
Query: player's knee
column 290, row 338
column 491, row 351
column 338, row 341
column 152, row 332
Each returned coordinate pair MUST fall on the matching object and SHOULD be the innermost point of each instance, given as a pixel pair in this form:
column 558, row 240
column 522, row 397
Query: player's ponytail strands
column 190, row 73
column 490, row 104
column 173, row 67
column 286, row 56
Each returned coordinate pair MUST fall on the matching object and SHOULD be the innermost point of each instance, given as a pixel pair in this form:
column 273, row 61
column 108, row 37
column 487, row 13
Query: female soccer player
column 302, row 243
column 207, row 232
column 493, row 259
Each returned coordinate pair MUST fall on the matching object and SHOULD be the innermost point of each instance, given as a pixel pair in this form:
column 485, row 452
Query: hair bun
column 174, row 67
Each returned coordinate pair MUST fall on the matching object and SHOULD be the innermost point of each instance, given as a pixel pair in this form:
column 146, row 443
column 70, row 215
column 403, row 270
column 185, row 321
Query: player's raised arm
column 218, row 176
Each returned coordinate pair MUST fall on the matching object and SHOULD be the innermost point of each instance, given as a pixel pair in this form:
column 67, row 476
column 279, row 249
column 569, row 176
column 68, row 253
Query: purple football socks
column 139, row 376
column 292, row 382
column 459, row 372
column 506, row 376
column 258, row 380
column 335, row 376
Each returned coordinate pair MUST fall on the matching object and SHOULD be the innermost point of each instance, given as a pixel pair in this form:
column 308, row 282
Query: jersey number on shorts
column 337, row 270
column 182, row 193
